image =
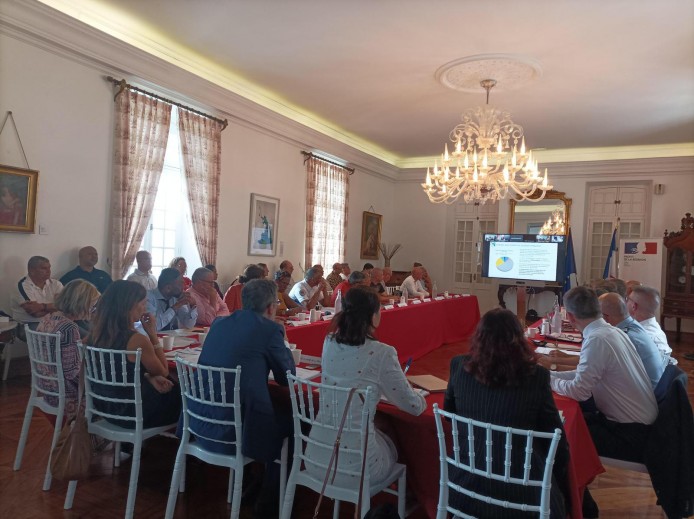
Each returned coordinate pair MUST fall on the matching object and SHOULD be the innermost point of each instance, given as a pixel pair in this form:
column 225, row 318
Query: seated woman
column 233, row 296
column 180, row 264
column 286, row 306
column 113, row 327
column 74, row 303
column 500, row 382
column 352, row 357
column 213, row 269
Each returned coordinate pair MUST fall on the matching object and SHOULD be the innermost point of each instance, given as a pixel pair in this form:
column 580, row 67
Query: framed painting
column 262, row 225
column 18, row 189
column 370, row 235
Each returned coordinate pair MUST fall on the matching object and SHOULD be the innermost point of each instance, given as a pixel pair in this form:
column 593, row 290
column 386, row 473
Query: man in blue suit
column 251, row 339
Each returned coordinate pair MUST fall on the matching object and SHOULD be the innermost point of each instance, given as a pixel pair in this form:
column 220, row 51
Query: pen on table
column 407, row 365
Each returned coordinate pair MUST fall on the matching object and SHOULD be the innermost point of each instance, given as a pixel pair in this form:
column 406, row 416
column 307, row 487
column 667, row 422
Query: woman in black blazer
column 500, row 382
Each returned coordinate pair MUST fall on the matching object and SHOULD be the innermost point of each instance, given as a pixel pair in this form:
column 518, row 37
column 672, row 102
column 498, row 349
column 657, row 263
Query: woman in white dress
column 352, row 357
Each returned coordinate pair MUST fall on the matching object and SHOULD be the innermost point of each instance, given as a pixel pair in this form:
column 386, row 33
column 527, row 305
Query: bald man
column 614, row 311
column 88, row 258
column 411, row 285
column 643, row 303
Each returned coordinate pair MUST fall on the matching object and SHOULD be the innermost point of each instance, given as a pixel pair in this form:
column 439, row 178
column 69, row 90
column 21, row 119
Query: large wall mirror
column 528, row 217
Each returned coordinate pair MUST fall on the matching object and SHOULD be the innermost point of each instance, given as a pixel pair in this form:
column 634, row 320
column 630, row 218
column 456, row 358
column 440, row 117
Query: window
column 170, row 232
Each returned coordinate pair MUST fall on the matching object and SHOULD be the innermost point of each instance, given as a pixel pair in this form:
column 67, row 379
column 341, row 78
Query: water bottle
column 433, row 290
column 403, row 297
column 555, row 323
column 338, row 301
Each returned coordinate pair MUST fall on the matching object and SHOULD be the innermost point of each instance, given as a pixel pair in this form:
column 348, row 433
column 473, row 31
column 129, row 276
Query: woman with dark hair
column 233, row 296
column 353, row 357
column 113, row 327
column 286, row 306
column 500, row 382
column 179, row 263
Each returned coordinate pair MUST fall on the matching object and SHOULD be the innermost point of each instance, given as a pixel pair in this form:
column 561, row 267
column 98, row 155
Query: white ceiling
column 615, row 73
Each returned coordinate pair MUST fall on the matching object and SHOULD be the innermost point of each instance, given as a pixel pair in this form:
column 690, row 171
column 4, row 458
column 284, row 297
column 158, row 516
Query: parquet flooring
column 618, row 493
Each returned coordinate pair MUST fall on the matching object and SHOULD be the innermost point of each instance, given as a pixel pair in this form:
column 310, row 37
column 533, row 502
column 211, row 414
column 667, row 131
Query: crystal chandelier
column 488, row 162
column 554, row 224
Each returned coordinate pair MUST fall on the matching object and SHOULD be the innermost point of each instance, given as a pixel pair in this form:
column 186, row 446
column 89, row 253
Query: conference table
column 413, row 330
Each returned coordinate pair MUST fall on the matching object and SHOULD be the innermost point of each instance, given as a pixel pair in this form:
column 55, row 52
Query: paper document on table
column 302, row 373
column 546, row 351
column 298, row 323
column 429, row 382
column 188, row 354
column 418, row 390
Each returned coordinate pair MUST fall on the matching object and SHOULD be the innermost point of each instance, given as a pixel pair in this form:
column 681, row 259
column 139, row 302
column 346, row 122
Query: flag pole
column 617, row 245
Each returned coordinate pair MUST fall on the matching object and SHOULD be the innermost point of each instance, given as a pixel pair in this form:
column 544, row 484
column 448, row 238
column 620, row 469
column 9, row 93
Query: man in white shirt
column 643, row 303
column 411, row 285
column 312, row 290
column 609, row 370
column 34, row 294
column 143, row 274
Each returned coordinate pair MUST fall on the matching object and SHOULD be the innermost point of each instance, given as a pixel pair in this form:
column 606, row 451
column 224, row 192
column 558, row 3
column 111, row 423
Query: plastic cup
column 301, row 315
column 391, row 302
column 296, row 355
column 291, row 346
column 532, row 332
column 202, row 337
column 168, row 342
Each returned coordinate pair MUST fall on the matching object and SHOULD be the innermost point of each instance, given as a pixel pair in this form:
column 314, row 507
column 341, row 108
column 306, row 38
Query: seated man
column 287, row 266
column 143, row 273
column 643, row 303
column 355, row 278
column 88, row 257
column 614, row 311
column 367, row 269
column 410, row 285
column 249, row 338
column 378, row 285
column 205, row 297
column 169, row 304
column 387, row 274
column 34, row 294
column 334, row 278
column 609, row 370
column 312, row 290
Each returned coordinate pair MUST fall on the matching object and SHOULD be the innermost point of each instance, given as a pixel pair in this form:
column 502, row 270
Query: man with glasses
column 205, row 297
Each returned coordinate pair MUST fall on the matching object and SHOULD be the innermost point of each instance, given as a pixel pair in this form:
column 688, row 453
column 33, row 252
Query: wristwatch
column 553, row 367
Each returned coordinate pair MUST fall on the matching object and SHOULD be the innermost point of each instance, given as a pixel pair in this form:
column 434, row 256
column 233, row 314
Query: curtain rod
column 310, row 155
column 122, row 85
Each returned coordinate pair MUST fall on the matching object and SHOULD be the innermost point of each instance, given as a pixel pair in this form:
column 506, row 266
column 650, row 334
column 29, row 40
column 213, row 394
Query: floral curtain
column 140, row 138
column 201, row 145
column 326, row 212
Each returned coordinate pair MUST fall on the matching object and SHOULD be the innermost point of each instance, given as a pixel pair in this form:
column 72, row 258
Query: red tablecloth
column 418, row 449
column 414, row 330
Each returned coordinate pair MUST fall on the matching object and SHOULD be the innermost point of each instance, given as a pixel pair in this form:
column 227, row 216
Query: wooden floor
column 619, row 494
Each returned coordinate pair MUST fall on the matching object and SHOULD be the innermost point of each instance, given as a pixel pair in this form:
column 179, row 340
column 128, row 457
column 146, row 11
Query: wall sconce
column 659, row 189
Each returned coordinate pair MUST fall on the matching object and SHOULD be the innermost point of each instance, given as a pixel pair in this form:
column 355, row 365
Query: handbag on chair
column 334, row 458
column 72, row 453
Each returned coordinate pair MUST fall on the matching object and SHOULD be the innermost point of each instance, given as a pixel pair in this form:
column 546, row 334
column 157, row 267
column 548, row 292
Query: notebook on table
column 429, row 382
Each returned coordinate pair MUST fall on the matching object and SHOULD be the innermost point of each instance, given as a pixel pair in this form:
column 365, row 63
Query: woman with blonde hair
column 179, row 263
column 74, row 303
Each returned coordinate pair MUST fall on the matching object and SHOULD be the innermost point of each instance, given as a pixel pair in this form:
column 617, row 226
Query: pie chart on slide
column 504, row 263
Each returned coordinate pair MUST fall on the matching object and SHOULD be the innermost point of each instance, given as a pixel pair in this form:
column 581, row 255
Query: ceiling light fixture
column 489, row 161
column 555, row 224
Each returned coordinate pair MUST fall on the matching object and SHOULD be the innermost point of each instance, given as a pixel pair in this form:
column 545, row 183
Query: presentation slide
column 536, row 261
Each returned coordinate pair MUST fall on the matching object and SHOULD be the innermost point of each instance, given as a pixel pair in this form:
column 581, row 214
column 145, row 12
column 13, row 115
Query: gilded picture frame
column 18, row 189
column 370, row 235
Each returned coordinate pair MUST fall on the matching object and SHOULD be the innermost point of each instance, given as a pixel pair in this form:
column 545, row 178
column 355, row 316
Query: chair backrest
column 47, row 376
column 323, row 421
column 107, row 384
column 392, row 290
column 206, row 392
column 665, row 384
column 481, row 433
